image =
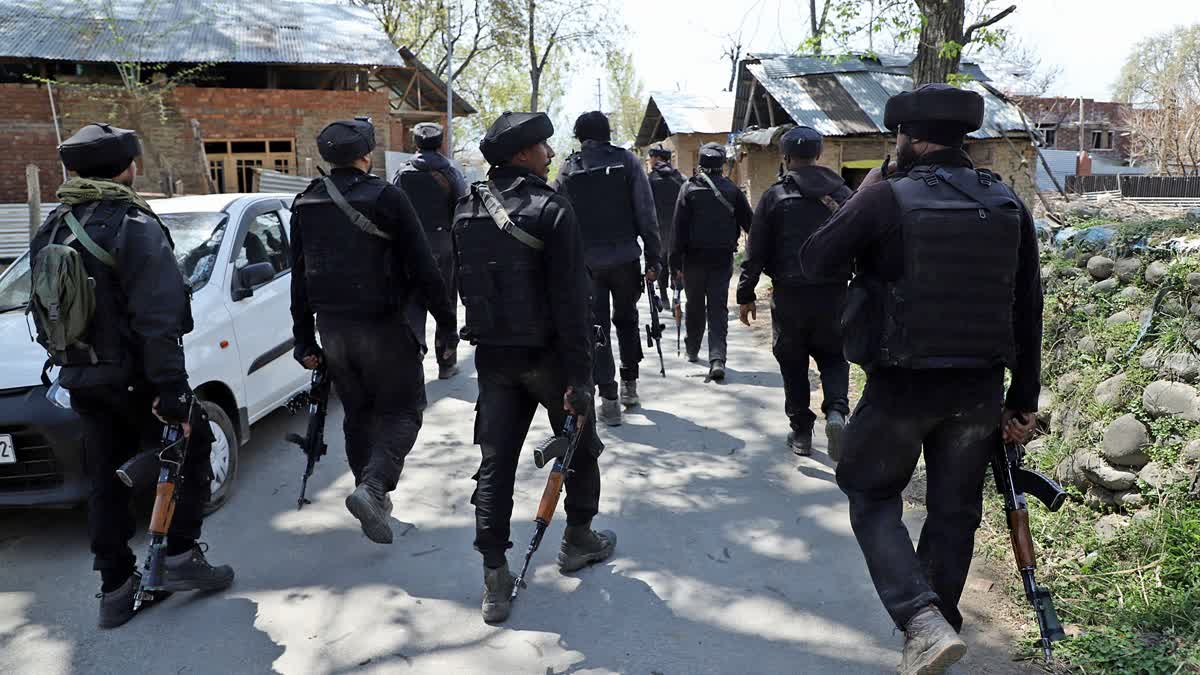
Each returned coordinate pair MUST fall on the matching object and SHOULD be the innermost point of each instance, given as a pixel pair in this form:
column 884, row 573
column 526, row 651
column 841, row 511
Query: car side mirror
column 251, row 277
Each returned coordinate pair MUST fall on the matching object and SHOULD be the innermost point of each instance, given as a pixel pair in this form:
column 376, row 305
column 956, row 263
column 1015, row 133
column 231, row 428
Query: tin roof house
column 684, row 121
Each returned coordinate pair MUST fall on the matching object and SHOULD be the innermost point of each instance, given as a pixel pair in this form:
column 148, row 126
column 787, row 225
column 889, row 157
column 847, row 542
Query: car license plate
column 8, row 454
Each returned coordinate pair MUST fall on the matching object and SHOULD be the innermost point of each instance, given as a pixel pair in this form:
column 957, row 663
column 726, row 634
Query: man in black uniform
column 665, row 183
column 434, row 186
column 131, row 369
column 612, row 199
column 525, row 289
column 946, row 295
column 359, row 257
column 806, row 313
column 710, row 216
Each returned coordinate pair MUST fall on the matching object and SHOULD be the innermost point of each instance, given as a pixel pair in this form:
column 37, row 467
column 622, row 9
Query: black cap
column 938, row 109
column 100, row 150
column 513, row 132
column 428, row 135
column 344, row 141
column 593, row 126
column 660, row 151
column 802, row 142
column 712, row 156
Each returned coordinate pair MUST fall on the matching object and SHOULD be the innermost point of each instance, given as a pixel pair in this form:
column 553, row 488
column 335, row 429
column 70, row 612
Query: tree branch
column 969, row 34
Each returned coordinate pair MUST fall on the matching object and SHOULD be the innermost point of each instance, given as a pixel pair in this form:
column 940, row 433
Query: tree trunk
column 535, row 82
column 943, row 24
column 535, row 72
column 816, row 32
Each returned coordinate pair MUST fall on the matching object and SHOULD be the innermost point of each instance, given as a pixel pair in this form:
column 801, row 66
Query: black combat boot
column 447, row 371
column 190, row 571
column 930, row 644
column 800, row 443
column 116, row 607
column 693, row 357
column 583, row 546
column 717, row 370
column 629, row 394
column 835, row 424
column 371, row 512
column 497, row 593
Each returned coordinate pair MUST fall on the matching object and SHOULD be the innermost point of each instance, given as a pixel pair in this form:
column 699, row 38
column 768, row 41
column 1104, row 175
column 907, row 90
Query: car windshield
column 197, row 241
column 14, row 286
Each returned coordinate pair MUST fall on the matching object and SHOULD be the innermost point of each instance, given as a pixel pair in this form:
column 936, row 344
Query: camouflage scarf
column 83, row 190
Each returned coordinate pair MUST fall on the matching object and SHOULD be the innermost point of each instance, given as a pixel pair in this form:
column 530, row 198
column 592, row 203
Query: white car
column 233, row 250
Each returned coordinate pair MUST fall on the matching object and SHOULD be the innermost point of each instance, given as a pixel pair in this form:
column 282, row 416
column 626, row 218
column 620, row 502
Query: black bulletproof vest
column 665, row 187
column 502, row 281
column 429, row 193
column 598, row 186
column 952, row 308
column 347, row 271
column 797, row 218
column 713, row 225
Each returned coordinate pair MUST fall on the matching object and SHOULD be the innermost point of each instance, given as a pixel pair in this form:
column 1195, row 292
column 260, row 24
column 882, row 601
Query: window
column 234, row 164
column 266, row 242
column 1102, row 140
column 1049, row 134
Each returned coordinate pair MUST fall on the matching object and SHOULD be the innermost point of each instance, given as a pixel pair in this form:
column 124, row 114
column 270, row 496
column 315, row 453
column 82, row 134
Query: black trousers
column 706, row 283
column 376, row 369
column 623, row 283
column 955, row 416
column 513, row 382
column 117, row 423
column 444, row 254
column 806, row 321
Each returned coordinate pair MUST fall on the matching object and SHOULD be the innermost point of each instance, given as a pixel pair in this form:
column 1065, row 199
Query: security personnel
column 134, row 370
column 525, row 289
column 612, row 199
column 359, row 257
column 665, row 183
column 434, row 186
column 805, row 313
column 959, row 249
column 710, row 216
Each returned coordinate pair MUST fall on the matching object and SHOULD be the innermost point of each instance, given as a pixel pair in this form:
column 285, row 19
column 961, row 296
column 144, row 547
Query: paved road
column 733, row 557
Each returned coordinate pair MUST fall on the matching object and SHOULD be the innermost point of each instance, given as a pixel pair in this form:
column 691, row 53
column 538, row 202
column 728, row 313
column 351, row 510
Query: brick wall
column 27, row 128
column 1097, row 116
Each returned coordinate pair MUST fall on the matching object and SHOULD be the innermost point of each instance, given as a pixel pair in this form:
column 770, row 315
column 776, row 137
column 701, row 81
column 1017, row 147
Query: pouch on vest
column 62, row 299
column 862, row 321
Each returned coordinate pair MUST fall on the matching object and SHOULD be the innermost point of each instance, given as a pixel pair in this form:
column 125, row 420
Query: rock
column 1069, row 272
column 1111, row 392
column 1066, row 383
column 1194, row 309
column 1172, row 307
column 1124, row 441
column 1155, row 272
column 1159, row 476
column 1089, row 309
column 1035, row 446
column 1067, row 470
column 1131, row 499
column 1098, row 498
column 1084, row 211
column 1105, row 475
column 1100, row 267
column 1128, row 269
column 1123, row 316
column 1192, row 215
column 1150, row 359
column 1183, row 366
column 1190, row 453
column 1088, row 345
column 1108, row 527
column 1193, row 280
column 1130, row 293
column 1046, row 401
column 1105, row 287
column 1047, row 271
column 1172, row 398
column 1112, row 355
column 1144, row 516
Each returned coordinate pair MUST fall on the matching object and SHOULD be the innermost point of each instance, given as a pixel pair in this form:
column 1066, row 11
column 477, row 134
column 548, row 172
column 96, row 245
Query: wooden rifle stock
column 1022, row 540
column 164, row 508
column 549, row 503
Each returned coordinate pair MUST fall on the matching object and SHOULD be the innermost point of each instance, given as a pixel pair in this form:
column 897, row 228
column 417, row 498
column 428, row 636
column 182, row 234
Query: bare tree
column 1161, row 80
column 733, row 52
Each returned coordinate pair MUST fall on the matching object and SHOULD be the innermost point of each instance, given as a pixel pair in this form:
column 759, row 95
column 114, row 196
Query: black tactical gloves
column 174, row 402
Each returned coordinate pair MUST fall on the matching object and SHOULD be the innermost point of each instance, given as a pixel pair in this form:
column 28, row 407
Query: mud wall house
column 267, row 77
column 844, row 99
column 682, row 122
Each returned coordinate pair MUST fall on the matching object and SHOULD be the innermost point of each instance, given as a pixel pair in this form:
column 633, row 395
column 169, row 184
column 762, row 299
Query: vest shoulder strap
column 486, row 192
column 720, row 197
column 360, row 221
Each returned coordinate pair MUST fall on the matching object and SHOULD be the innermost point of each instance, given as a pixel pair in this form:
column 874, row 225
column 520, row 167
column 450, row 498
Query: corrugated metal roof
column 14, row 228
column 795, row 100
column 196, row 31
column 795, row 65
column 684, row 113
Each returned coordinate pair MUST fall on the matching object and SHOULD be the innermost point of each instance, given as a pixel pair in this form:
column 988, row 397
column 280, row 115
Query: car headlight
column 59, row 396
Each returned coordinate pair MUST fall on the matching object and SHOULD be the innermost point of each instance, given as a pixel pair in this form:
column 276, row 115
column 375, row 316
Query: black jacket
column 684, row 215
column 813, row 182
column 143, row 307
column 665, row 183
column 416, row 266
column 865, row 231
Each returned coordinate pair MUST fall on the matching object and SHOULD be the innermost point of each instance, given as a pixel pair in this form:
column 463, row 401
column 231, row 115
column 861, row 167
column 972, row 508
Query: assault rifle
column 1012, row 482
column 677, row 310
column 312, row 444
column 654, row 329
column 562, row 450
column 171, row 458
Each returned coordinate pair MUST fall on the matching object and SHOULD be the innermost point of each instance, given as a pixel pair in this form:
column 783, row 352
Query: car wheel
column 224, row 457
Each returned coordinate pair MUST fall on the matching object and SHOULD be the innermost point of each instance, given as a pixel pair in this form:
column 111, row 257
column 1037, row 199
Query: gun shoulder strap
column 81, row 235
column 360, row 221
column 486, row 192
column 720, row 197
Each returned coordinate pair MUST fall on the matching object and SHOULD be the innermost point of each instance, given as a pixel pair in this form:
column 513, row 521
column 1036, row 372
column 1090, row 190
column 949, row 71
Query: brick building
column 1057, row 120
column 682, row 122
column 266, row 77
column 844, row 99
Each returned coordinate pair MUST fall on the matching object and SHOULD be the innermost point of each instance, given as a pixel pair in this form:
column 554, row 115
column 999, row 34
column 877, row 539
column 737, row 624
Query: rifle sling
column 360, row 221
column 495, row 207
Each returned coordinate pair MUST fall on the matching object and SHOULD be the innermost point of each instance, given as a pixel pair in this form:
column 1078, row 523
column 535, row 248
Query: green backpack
column 62, row 300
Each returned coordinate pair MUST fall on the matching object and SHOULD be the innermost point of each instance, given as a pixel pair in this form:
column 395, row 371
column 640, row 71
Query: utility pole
column 1081, row 145
column 599, row 101
column 449, row 86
